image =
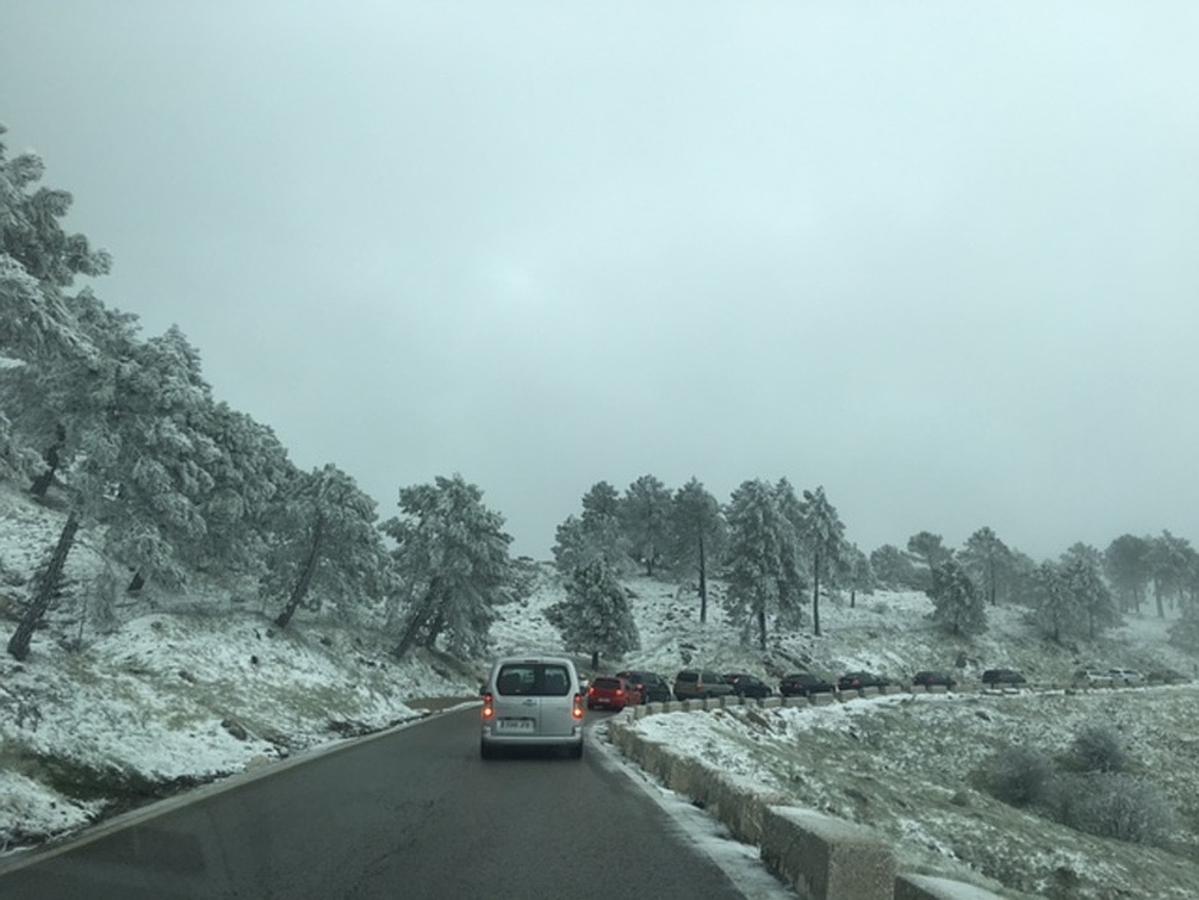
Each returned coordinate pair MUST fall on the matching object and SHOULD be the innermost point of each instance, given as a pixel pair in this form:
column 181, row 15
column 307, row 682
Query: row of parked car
column 634, row 687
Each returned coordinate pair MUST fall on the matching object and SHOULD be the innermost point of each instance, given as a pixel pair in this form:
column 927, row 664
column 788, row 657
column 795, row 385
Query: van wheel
column 486, row 751
column 577, row 751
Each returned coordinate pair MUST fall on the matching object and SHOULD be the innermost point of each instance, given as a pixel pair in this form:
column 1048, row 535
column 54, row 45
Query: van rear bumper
column 532, row 740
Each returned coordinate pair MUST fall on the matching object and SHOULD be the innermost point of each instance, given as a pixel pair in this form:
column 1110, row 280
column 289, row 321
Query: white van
column 534, row 701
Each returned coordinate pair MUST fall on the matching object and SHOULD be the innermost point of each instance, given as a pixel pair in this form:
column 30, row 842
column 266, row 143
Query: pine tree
column 331, row 550
column 1090, row 596
column 928, row 549
column 646, row 514
column 603, row 530
column 959, row 606
column 452, row 555
column 1126, row 562
column 858, row 574
column 697, row 532
column 1056, row 611
column 760, row 541
column 595, row 616
column 986, row 559
column 1185, row 632
column 823, row 539
column 893, row 568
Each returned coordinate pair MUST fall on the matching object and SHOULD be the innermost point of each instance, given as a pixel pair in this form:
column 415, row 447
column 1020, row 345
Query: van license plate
column 516, row 724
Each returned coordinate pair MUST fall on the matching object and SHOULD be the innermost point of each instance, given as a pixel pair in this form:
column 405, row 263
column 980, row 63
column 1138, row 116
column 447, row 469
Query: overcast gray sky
column 941, row 258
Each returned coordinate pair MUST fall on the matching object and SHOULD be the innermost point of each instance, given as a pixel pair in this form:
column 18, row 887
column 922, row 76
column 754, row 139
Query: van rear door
column 517, row 705
column 557, row 690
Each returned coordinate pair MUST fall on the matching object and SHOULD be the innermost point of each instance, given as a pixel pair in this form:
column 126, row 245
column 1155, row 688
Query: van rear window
column 533, row 680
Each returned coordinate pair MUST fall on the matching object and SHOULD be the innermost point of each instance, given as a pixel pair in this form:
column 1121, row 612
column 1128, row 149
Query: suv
column 1125, row 677
column 746, row 685
column 932, row 679
column 801, row 684
column 653, row 687
column 693, row 684
column 532, row 702
column 1094, row 678
column 1002, row 676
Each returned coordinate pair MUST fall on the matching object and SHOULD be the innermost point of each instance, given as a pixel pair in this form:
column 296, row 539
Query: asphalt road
column 415, row 814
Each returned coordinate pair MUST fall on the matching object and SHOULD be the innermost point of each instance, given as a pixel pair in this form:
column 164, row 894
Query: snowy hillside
column 910, row 767
column 177, row 691
column 888, row 632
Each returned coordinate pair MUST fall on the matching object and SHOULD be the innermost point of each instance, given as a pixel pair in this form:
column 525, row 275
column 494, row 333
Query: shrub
column 1119, row 806
column 1018, row 775
column 1099, row 749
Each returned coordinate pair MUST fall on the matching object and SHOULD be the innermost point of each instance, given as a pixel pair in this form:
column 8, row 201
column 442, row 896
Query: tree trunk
column 18, row 646
column 816, row 596
column 991, row 583
column 853, row 596
column 1157, row 598
column 762, row 627
column 435, row 629
column 42, row 483
column 427, row 605
column 594, row 660
column 137, row 583
column 301, row 588
column 703, row 583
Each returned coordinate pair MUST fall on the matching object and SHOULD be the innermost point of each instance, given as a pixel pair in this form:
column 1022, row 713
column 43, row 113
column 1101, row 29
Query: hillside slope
column 174, row 689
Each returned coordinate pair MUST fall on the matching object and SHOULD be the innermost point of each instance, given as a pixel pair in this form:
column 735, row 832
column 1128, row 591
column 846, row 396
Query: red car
column 612, row 693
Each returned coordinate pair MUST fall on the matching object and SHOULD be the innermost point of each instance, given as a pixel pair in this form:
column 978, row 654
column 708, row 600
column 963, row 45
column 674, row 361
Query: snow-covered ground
column 169, row 698
column 908, row 766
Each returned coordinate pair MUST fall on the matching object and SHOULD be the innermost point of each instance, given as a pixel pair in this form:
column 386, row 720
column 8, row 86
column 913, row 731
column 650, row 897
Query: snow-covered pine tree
column 645, row 515
column 858, row 574
column 1056, row 610
column 603, row 531
column 958, row 605
column 928, row 549
column 892, row 567
column 1126, row 562
column 760, row 540
column 823, row 538
column 452, row 556
column 698, row 533
column 249, row 472
column 334, row 552
column 793, row 556
column 987, row 560
column 595, row 617
column 1091, row 597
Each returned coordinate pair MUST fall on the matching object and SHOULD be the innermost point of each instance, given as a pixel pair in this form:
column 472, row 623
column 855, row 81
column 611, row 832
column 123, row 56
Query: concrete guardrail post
column 827, row 858
column 927, row 887
column 772, row 702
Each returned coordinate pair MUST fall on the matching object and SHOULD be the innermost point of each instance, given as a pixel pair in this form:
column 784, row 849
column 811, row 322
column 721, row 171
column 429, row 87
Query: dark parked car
column 746, row 685
column 928, row 679
column 852, row 681
column 801, row 684
column 692, row 684
column 612, row 693
column 1002, row 676
column 654, row 688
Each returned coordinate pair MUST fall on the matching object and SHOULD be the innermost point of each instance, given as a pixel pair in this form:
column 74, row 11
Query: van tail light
column 488, row 707
column 577, row 710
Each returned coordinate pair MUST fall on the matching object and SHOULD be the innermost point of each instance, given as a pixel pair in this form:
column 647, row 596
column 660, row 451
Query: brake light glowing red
column 619, row 692
column 488, row 706
column 577, row 711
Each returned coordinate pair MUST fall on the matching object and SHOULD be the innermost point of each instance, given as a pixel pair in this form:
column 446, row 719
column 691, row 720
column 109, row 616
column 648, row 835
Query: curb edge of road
column 21, row 859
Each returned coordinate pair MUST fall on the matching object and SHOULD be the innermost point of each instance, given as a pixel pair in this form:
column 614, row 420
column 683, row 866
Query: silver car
column 534, row 701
